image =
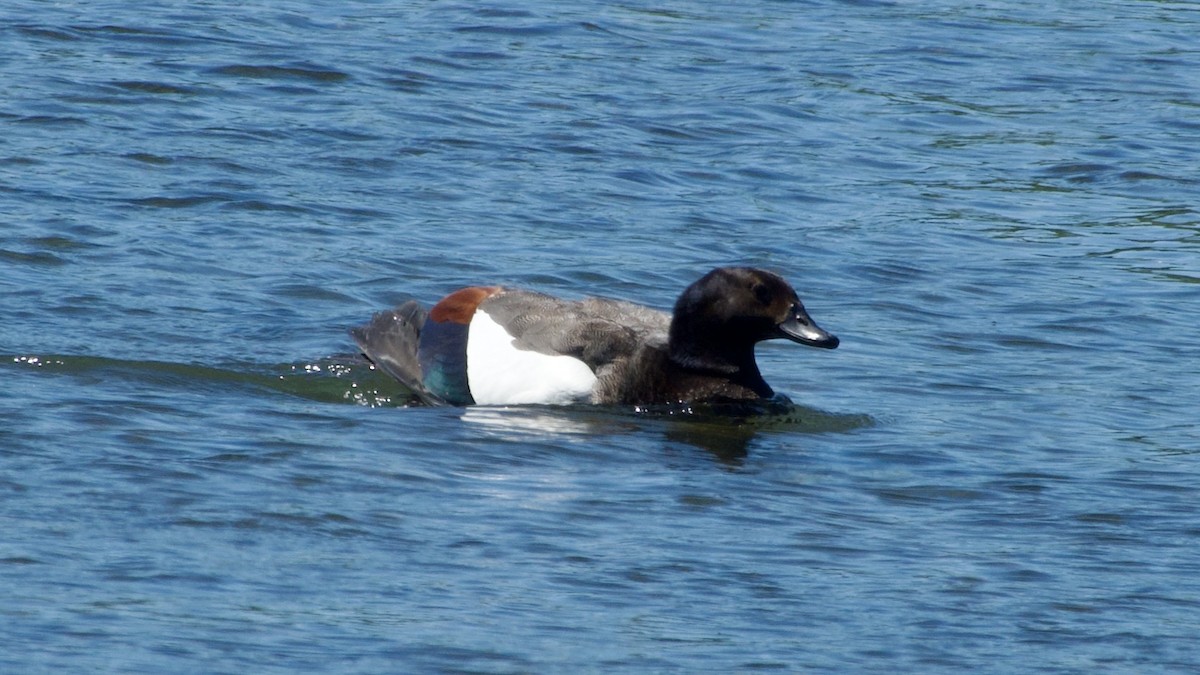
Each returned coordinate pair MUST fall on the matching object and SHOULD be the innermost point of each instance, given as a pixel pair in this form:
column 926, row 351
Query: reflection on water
column 517, row 422
column 724, row 429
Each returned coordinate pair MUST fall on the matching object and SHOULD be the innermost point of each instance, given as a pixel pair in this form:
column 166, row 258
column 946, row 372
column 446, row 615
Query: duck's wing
column 391, row 340
column 598, row 331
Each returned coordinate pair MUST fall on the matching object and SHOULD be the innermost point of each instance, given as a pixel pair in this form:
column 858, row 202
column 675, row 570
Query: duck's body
column 500, row 346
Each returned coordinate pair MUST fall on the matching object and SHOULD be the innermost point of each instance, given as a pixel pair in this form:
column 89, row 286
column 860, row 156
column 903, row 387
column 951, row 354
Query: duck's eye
column 762, row 293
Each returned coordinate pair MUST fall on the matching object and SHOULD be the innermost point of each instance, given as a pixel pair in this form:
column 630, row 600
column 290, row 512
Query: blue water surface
column 994, row 205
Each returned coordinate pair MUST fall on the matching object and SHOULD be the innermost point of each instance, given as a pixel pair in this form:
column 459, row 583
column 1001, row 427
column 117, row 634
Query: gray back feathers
column 598, row 331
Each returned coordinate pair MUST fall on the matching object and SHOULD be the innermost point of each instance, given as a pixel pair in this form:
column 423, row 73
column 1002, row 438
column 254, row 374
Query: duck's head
column 743, row 304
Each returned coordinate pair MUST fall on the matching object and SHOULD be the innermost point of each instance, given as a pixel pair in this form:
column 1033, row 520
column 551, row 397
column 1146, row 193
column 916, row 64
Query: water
column 993, row 205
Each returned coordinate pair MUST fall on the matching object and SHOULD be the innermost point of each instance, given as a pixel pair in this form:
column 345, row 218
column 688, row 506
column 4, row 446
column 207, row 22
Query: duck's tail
column 391, row 341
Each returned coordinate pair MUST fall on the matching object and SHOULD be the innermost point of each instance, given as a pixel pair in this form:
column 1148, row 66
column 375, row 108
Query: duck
column 496, row 345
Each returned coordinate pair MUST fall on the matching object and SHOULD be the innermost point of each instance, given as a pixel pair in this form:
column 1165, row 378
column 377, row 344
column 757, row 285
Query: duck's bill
column 800, row 328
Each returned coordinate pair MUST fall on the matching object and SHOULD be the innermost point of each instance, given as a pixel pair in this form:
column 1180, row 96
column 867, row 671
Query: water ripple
column 993, row 205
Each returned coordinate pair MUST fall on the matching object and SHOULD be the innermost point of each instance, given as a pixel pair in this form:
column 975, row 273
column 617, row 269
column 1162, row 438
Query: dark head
column 730, row 309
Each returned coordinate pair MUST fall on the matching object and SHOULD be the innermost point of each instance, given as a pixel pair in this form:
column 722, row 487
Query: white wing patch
column 500, row 374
